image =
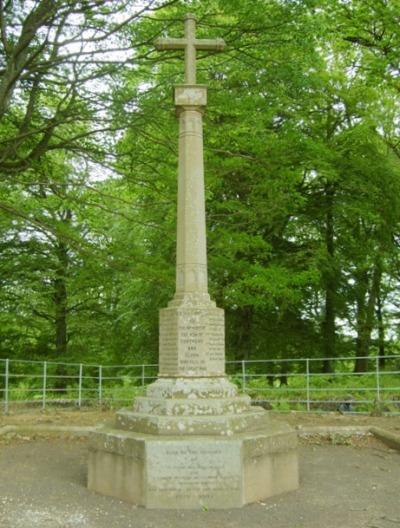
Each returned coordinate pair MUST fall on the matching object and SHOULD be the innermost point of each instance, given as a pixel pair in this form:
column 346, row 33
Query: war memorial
column 192, row 441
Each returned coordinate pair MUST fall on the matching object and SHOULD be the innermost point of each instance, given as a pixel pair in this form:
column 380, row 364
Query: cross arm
column 170, row 43
column 210, row 44
column 180, row 43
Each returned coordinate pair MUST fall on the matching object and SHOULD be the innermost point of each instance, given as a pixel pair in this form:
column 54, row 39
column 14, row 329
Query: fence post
column 44, row 386
column 308, row 383
column 6, row 377
column 80, row 385
column 378, row 381
column 244, row 375
column 143, row 375
column 100, row 384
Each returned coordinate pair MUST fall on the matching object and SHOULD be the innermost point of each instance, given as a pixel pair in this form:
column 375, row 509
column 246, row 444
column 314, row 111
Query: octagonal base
column 194, row 472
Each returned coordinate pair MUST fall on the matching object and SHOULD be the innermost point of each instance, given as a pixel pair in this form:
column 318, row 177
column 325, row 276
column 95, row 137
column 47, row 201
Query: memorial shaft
column 190, row 101
column 191, row 253
column 191, row 327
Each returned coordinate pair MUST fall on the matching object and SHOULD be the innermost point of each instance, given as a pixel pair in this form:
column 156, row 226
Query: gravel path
column 42, row 485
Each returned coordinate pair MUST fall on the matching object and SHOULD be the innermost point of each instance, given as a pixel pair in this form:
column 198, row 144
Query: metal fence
column 281, row 384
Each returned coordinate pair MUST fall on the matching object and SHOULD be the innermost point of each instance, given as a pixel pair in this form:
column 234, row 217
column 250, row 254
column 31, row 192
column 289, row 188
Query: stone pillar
column 191, row 327
column 191, row 255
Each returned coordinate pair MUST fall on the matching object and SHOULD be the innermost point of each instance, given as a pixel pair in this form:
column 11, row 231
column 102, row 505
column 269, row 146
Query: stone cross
column 191, row 327
column 192, row 441
column 190, row 44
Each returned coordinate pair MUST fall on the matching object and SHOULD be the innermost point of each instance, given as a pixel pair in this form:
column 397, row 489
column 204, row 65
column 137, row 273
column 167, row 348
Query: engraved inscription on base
column 199, row 469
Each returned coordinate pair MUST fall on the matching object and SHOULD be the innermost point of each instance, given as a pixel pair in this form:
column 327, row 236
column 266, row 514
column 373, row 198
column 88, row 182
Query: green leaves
column 302, row 177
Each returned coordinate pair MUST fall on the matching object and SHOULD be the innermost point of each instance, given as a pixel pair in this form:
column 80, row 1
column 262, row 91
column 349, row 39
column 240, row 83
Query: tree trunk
column 366, row 315
column 283, row 378
column 381, row 331
column 244, row 337
column 18, row 54
column 60, row 298
column 328, row 329
column 361, row 294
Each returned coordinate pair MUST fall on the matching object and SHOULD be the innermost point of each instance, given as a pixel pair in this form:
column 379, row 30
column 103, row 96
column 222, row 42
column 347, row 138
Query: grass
column 345, row 392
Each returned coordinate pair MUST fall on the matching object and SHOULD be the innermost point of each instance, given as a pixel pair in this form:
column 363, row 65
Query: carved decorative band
column 191, row 134
column 191, row 276
column 192, row 108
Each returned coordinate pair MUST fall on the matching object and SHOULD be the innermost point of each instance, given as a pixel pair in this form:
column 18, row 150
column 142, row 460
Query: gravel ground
column 42, row 485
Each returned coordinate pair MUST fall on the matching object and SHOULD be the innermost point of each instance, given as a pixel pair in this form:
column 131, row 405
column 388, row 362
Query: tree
column 301, row 178
column 58, row 58
column 58, row 62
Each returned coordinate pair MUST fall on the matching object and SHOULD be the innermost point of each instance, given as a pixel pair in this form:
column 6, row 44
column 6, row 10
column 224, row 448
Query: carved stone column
column 191, row 327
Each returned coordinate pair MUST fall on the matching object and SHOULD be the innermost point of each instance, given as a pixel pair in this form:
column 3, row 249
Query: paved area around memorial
column 43, row 481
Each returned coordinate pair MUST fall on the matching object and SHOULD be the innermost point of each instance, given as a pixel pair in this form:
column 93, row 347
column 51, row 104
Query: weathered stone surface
column 223, row 425
column 119, row 442
column 192, row 388
column 192, row 340
column 193, row 407
column 189, row 95
column 192, row 441
column 194, row 472
column 116, row 475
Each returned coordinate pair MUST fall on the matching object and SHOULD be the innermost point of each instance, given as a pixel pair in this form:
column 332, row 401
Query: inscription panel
column 168, row 344
column 197, row 471
column 192, row 350
column 216, row 337
column 192, row 342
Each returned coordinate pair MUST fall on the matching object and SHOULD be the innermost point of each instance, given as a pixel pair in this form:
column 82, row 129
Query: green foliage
column 302, row 182
column 124, row 394
column 327, row 392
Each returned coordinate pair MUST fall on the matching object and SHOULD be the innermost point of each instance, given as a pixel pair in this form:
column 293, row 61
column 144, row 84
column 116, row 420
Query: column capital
column 181, row 109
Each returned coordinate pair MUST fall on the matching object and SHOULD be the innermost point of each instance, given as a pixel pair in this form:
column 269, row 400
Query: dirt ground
column 94, row 417
column 352, row 484
column 43, row 485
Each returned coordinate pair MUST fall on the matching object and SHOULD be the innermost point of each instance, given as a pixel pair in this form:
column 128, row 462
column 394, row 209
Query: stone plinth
column 208, row 471
column 193, row 443
column 192, row 337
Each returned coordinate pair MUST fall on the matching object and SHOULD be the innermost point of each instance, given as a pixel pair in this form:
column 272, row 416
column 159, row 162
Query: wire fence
column 280, row 384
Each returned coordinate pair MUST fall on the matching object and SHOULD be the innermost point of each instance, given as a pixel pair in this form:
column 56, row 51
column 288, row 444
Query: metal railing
column 281, row 384
column 301, row 384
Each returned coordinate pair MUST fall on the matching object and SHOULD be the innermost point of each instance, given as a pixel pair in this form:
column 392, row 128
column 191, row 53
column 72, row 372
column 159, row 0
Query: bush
column 345, row 392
